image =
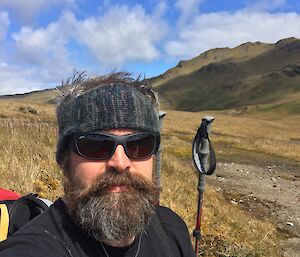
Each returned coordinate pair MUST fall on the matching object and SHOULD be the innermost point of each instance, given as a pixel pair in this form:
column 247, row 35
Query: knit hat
column 105, row 107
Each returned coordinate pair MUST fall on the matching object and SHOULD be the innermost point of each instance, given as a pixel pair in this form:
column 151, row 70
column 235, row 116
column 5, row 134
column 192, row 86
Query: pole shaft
column 197, row 231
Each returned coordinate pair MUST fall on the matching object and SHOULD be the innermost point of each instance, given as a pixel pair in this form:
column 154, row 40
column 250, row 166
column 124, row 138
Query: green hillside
column 43, row 96
column 250, row 74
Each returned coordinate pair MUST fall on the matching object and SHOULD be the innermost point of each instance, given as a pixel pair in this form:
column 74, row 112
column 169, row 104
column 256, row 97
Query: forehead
column 120, row 131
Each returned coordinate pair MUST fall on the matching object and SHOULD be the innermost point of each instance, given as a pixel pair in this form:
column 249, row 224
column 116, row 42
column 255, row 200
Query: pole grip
column 201, row 183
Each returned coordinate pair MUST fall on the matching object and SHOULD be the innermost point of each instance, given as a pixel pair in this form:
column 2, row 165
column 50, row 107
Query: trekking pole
column 205, row 162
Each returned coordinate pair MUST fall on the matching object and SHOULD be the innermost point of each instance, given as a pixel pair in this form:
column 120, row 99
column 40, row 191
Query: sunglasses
column 101, row 146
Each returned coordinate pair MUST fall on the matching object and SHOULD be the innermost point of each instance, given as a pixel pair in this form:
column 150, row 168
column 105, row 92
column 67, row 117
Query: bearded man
column 108, row 148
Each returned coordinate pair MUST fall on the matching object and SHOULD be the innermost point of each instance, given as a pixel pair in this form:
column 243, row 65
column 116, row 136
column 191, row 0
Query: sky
column 42, row 42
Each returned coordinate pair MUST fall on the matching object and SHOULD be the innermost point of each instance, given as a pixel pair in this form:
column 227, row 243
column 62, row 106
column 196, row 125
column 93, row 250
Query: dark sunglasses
column 101, row 146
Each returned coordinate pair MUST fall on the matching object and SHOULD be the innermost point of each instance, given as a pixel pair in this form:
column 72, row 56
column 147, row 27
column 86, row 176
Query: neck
column 121, row 243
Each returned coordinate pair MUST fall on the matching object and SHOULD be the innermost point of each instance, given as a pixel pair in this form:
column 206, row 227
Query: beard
column 112, row 216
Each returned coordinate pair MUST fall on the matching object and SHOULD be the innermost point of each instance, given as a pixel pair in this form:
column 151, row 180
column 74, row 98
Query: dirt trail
column 265, row 190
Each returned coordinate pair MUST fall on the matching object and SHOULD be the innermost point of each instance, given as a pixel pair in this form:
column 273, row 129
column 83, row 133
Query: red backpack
column 8, row 195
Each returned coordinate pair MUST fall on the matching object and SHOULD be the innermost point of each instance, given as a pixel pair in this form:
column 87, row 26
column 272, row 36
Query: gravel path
column 265, row 191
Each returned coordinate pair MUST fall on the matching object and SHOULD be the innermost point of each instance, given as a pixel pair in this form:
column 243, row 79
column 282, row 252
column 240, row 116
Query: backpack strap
column 35, row 204
column 4, row 222
column 23, row 210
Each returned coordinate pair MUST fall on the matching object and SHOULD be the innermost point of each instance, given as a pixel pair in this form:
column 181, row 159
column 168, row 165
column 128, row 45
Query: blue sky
column 43, row 42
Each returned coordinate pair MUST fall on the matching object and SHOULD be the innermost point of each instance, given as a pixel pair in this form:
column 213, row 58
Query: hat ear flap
column 161, row 116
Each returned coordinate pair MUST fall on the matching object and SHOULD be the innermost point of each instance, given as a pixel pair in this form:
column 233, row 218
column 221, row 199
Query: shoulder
column 176, row 231
column 32, row 243
column 172, row 223
column 169, row 218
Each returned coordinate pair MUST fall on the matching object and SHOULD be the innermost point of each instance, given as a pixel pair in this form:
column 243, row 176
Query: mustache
column 133, row 182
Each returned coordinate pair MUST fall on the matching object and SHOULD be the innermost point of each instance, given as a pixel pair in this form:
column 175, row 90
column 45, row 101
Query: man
column 108, row 145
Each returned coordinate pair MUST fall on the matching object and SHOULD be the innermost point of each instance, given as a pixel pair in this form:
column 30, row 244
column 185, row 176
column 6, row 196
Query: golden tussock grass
column 28, row 157
column 27, row 146
column 31, row 111
column 27, row 164
column 277, row 136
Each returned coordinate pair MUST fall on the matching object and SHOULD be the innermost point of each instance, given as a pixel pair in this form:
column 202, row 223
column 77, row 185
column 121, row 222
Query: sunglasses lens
column 102, row 146
column 95, row 146
column 140, row 146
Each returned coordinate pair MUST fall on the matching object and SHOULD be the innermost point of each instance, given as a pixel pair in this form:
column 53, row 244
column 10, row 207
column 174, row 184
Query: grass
column 27, row 164
column 23, row 110
column 275, row 135
column 27, row 161
column 290, row 108
column 27, row 146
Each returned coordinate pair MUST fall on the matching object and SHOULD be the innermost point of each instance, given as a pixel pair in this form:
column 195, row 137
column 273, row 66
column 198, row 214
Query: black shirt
column 53, row 234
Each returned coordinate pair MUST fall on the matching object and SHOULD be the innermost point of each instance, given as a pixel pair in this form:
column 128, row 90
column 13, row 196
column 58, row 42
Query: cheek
column 83, row 172
column 145, row 168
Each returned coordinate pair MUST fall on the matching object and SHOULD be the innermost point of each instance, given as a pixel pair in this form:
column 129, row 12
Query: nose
column 119, row 161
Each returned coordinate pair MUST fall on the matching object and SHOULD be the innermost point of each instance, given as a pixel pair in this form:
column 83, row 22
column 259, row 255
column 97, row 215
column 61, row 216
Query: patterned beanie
column 105, row 107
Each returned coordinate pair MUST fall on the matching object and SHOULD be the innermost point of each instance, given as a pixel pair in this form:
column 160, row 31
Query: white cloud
column 187, row 8
column 4, row 23
column 17, row 80
column 46, row 48
column 26, row 10
column 231, row 29
column 122, row 34
column 3, row 64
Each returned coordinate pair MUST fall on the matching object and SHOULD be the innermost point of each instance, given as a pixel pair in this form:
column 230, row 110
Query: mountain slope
column 252, row 73
column 42, row 96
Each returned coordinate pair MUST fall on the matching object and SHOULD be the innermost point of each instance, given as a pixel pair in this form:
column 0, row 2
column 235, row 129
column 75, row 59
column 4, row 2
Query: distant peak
column 288, row 44
column 179, row 65
column 287, row 40
column 250, row 45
